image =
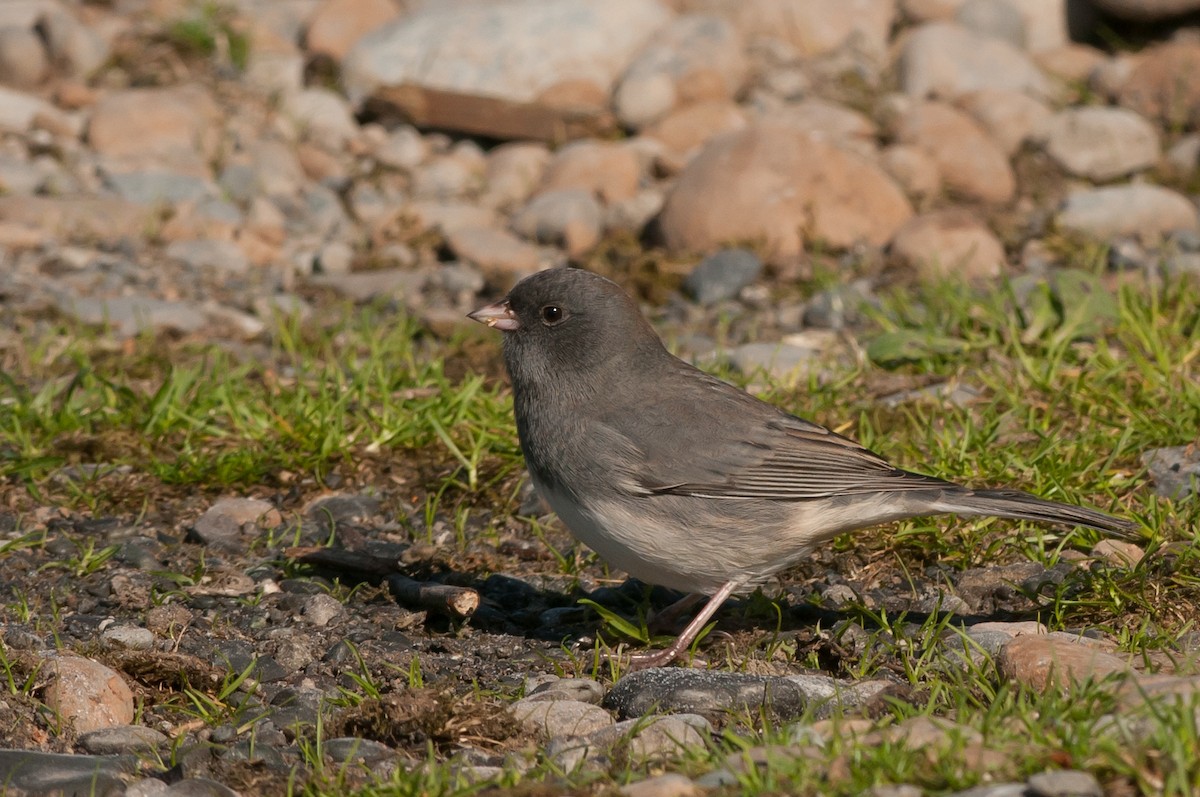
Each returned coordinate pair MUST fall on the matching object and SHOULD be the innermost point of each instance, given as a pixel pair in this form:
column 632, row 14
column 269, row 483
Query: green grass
column 1073, row 382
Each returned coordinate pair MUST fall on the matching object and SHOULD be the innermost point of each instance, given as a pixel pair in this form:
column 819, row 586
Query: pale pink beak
column 497, row 316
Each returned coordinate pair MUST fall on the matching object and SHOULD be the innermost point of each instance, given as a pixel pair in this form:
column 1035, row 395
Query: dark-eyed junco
column 681, row 479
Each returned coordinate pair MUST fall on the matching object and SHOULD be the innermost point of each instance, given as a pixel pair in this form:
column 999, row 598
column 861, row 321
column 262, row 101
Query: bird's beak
column 497, row 316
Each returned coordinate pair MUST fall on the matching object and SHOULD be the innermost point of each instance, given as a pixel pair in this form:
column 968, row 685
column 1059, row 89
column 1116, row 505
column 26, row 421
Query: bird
column 686, row 481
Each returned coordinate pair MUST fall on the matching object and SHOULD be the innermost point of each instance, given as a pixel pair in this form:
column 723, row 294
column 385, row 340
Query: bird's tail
column 1022, row 506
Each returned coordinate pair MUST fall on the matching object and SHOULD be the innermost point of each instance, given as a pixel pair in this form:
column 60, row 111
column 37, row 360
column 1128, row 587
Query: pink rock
column 1009, row 117
column 177, row 128
column 971, row 163
column 686, row 130
column 771, row 183
column 86, row 694
column 610, row 171
column 1155, row 88
column 337, row 24
column 1049, row 661
column 947, row 242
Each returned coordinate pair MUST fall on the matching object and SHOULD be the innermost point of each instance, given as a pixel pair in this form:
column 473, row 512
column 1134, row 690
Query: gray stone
column 1064, row 783
column 996, row 19
column 122, row 739
column 350, row 749
column 34, row 771
column 568, row 217
column 128, row 315
column 584, row 690
column 207, row 254
column 672, row 690
column 155, row 187
column 335, row 257
column 128, row 637
column 947, row 60
column 722, row 275
column 1100, row 143
column 200, row 787
column 513, row 50
column 320, row 610
column 776, row 360
column 838, row 307
column 1175, row 470
column 1147, row 211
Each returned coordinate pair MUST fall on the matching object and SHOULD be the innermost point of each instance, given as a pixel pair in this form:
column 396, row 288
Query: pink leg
column 642, row 661
column 662, row 622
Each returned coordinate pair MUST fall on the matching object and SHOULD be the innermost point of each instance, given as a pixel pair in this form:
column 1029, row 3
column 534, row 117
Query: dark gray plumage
column 681, row 479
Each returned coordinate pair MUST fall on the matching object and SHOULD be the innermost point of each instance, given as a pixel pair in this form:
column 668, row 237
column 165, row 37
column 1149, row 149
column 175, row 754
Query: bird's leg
column 664, row 621
column 642, row 661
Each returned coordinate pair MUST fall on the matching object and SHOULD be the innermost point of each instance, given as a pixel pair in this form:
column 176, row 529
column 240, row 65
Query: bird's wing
column 728, row 444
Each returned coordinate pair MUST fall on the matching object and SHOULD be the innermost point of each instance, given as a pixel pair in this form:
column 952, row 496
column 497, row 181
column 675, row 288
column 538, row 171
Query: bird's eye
column 552, row 314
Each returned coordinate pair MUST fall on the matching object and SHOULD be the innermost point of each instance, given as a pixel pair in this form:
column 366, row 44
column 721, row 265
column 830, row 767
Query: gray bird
column 683, row 480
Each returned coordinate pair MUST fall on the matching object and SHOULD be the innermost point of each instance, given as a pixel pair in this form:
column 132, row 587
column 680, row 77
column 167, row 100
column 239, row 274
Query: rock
column 949, row 242
column 120, row 739
column 1100, row 143
column 994, row 19
column 514, row 50
column 1064, row 783
column 722, row 275
column 632, row 215
column 87, row 695
column 18, row 110
column 337, row 24
column 127, row 637
column 768, row 183
column 708, row 692
column 669, row 785
column 502, row 257
column 1146, row 211
column 1009, row 117
column 553, row 718
column 913, row 169
column 322, row 609
column 1147, row 10
column 696, row 58
column 581, row 689
column 221, row 524
column 324, row 116
column 663, row 737
column 815, row 27
column 220, row 257
column 1050, row 660
column 23, row 62
column 1049, row 23
column 945, row 60
column 1154, row 89
column 513, row 171
column 1183, row 157
column 970, row 162
column 445, row 178
column 1175, row 470
column 1117, row 552
column 446, row 217
column 1072, row 63
column 685, row 131
column 570, row 218
column 128, row 315
column 175, row 130
column 780, row 362
column 828, row 121
column 610, row 171
column 74, row 48
column 402, row 148
column 839, row 306
column 45, row 773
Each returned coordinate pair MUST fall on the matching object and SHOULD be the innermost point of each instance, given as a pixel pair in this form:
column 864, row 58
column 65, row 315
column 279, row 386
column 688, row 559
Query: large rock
column 971, row 163
column 770, row 183
column 510, row 49
column 610, row 171
column 949, row 242
column 337, row 24
column 942, row 59
column 1101, row 143
column 1146, row 211
column 697, row 58
column 1009, row 117
column 173, row 128
column 1163, row 84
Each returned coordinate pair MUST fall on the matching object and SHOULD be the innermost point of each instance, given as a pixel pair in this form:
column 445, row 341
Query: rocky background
column 198, row 168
